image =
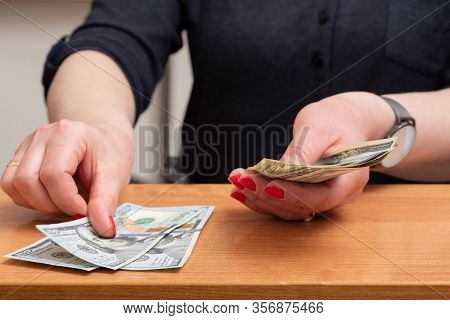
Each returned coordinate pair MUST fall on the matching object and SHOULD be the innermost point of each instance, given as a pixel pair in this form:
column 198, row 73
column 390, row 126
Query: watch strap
column 401, row 114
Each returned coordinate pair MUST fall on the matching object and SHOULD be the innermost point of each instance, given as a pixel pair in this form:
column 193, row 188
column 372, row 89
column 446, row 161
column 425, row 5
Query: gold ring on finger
column 13, row 164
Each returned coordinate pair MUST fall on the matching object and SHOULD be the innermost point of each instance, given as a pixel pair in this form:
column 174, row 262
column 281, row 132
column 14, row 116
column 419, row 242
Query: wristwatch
column 405, row 131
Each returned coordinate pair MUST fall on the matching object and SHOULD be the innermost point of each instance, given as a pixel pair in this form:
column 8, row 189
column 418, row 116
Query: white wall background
column 23, row 47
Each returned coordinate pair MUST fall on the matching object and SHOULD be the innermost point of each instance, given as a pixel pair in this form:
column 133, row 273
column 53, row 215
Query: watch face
column 405, row 141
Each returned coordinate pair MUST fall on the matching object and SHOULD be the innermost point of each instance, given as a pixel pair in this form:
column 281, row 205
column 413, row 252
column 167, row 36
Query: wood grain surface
column 393, row 242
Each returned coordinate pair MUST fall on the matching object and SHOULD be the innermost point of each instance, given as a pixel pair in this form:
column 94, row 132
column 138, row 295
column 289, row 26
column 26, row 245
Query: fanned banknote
column 138, row 230
column 169, row 232
column 359, row 154
column 175, row 248
column 344, row 160
column 46, row 252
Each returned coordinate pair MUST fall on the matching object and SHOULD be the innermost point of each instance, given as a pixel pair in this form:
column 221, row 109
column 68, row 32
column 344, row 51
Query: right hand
column 58, row 156
column 361, row 116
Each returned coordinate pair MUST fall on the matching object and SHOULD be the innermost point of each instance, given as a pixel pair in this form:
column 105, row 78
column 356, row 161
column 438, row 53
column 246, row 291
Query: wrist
column 371, row 112
column 384, row 117
column 113, row 125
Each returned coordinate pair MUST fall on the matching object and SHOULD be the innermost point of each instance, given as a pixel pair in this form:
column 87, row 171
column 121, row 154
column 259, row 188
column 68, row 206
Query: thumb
column 102, row 203
column 307, row 146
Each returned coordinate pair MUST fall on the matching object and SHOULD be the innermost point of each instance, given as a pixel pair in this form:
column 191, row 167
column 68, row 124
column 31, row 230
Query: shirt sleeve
column 138, row 34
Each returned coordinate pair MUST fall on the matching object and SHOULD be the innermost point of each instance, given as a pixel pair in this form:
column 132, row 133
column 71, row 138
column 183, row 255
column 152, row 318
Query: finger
column 237, row 191
column 103, row 199
column 239, row 196
column 7, row 180
column 8, row 187
column 27, row 182
column 274, row 209
column 254, row 191
column 307, row 198
column 353, row 182
column 295, row 195
column 234, row 176
column 307, row 146
column 60, row 162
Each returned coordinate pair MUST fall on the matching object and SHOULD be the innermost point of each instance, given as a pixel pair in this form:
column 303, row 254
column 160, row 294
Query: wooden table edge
column 218, row 292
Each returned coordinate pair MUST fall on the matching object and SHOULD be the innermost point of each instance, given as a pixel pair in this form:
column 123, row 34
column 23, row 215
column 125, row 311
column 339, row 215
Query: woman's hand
column 319, row 129
column 80, row 165
column 52, row 162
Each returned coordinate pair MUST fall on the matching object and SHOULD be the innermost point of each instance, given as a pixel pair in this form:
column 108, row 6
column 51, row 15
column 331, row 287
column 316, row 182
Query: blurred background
column 26, row 34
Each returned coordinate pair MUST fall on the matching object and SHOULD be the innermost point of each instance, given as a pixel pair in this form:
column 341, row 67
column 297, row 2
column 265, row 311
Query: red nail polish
column 238, row 196
column 274, row 192
column 113, row 225
column 248, row 183
column 234, row 180
column 78, row 216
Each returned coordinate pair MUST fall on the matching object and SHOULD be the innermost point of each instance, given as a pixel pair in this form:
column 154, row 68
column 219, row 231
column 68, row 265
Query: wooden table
column 394, row 242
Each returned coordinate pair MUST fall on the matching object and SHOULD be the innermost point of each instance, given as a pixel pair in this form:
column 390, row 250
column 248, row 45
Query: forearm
column 429, row 160
column 90, row 87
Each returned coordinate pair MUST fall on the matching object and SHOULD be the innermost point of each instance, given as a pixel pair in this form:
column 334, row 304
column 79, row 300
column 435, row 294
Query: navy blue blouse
column 256, row 63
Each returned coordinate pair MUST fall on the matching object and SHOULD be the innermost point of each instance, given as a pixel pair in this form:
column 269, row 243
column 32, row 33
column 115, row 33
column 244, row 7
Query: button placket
column 317, row 59
column 323, row 17
column 320, row 44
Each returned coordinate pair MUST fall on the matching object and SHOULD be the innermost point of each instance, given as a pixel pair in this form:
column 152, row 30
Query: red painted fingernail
column 234, row 180
column 248, row 183
column 78, row 216
column 113, row 225
column 274, row 192
column 238, row 196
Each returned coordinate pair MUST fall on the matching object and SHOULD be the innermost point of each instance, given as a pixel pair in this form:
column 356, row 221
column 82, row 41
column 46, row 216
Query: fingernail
column 238, row 196
column 234, row 180
column 274, row 192
column 113, row 226
column 78, row 216
column 248, row 183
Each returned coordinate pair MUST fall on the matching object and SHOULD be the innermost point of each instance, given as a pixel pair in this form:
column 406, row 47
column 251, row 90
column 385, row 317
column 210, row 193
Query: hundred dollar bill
column 359, row 153
column 138, row 230
column 342, row 161
column 174, row 249
column 46, row 252
column 326, row 173
column 321, row 175
column 276, row 169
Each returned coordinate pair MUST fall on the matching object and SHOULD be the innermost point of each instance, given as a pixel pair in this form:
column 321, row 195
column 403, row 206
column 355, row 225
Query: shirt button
column 317, row 59
column 323, row 17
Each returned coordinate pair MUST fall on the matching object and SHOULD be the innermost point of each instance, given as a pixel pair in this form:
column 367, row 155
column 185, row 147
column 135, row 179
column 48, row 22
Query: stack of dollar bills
column 344, row 160
column 147, row 239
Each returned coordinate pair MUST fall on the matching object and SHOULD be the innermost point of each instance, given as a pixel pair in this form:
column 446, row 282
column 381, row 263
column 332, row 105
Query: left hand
column 329, row 124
